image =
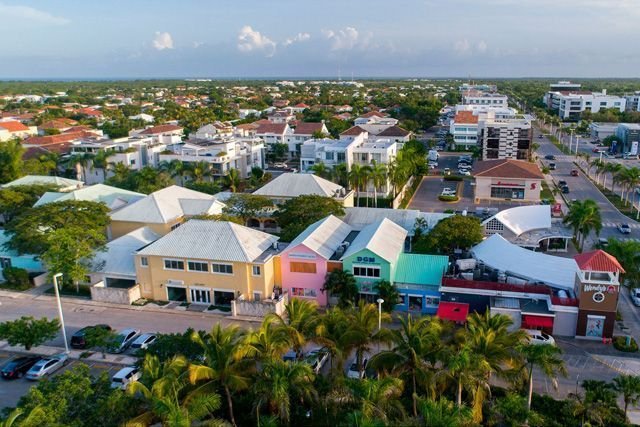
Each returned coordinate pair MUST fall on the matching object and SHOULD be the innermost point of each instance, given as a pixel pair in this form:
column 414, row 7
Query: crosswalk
column 615, row 225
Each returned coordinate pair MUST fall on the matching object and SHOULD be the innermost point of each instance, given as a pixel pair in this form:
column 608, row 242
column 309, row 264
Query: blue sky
column 306, row 38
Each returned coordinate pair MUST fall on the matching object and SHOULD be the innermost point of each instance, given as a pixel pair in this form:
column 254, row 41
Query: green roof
column 420, row 269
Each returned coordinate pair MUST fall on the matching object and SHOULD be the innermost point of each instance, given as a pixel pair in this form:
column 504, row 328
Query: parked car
column 624, row 228
column 464, row 172
column 144, row 341
column 635, row 296
column 47, row 366
column 550, row 157
column 448, row 192
column 602, row 243
column 574, row 172
column 291, row 356
column 599, row 149
column 125, row 376
column 353, row 371
column 78, row 340
column 316, row 358
column 122, row 340
column 540, row 136
column 280, row 165
column 16, row 368
column 446, row 171
column 538, row 337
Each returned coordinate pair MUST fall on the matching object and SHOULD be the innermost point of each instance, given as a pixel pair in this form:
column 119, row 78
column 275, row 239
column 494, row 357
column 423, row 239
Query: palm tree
column 443, row 413
column 378, row 178
column 613, row 169
column 279, row 384
column 300, row 319
column 376, row 399
column 199, row 170
column 329, row 333
column 32, row 418
column 546, row 358
column 343, row 284
column 340, row 174
column 629, row 387
column 389, row 293
column 583, row 217
column 355, row 180
column 222, row 363
column 628, row 254
column 269, row 342
column 233, row 180
column 177, row 169
column 120, row 172
column 320, row 169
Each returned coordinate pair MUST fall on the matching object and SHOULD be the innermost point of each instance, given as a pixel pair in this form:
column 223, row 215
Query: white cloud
column 300, row 37
column 31, row 14
column 347, row 38
column 250, row 40
column 162, row 40
column 462, row 46
column 482, row 46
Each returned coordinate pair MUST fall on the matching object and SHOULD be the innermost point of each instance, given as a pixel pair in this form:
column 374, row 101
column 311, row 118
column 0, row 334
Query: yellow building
column 209, row 262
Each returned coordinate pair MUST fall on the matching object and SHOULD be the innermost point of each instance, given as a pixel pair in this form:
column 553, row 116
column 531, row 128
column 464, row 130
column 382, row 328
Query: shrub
column 448, row 198
column 620, row 343
column 16, row 278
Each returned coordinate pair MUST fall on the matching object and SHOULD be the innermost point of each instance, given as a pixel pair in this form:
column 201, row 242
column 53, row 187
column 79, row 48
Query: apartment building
column 505, row 138
column 474, row 97
column 465, row 125
column 633, row 101
column 571, row 104
column 302, row 132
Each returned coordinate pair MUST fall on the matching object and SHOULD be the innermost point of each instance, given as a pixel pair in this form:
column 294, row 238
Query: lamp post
column 380, row 301
column 571, row 139
column 577, row 141
column 64, row 334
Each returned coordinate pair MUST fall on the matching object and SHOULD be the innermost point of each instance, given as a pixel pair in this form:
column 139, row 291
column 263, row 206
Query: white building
column 474, row 97
column 633, row 101
column 571, row 104
column 465, row 126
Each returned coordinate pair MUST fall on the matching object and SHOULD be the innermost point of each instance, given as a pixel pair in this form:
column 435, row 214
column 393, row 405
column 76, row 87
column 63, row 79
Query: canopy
column 537, row 321
column 454, row 311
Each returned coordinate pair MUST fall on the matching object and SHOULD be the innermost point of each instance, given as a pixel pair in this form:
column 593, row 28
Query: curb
column 45, row 350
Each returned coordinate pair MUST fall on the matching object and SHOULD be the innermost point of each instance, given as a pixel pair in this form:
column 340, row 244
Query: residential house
column 162, row 211
column 61, row 125
column 274, row 133
column 115, row 198
column 147, row 118
column 290, row 185
column 10, row 258
column 209, row 263
column 10, row 129
column 302, row 132
column 281, row 117
column 163, row 134
column 63, row 184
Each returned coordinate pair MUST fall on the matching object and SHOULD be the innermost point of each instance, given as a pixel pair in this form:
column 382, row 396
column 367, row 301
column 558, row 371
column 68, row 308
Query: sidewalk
column 594, row 348
column 44, row 350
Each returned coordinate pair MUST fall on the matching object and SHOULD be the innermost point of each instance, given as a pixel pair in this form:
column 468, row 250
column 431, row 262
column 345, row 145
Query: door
column 223, row 298
column 176, row 294
column 200, row 296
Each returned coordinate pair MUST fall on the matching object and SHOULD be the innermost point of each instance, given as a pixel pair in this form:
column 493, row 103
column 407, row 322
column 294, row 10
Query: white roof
column 299, row 184
column 118, row 258
column 384, row 238
column 168, row 204
column 113, row 197
column 358, row 218
column 499, row 254
column 212, row 240
column 524, row 218
column 63, row 183
column 323, row 237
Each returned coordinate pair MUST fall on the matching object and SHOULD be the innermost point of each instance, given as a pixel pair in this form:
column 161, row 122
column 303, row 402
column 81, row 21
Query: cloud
column 465, row 47
column 347, row 38
column 462, row 46
column 300, row 37
column 162, row 41
column 31, row 14
column 250, row 41
column 482, row 46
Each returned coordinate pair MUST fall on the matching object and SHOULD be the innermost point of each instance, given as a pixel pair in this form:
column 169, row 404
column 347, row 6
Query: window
column 222, row 268
column 432, row 301
column 366, row 271
column 494, row 225
column 173, row 264
column 257, row 296
column 302, row 267
column 144, row 261
column 303, row 292
column 255, row 270
column 5, row 263
column 202, row 267
column 174, row 226
column 507, row 193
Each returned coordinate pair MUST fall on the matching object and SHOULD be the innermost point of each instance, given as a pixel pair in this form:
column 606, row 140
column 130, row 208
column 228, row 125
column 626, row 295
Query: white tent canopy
column 521, row 219
column 499, row 254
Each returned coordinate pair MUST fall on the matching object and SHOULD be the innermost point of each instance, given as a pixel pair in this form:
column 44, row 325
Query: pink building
column 304, row 262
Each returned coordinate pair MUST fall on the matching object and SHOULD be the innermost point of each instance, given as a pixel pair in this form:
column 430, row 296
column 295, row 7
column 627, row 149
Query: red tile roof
column 374, row 113
column 394, row 131
column 13, row 126
column 353, row 131
column 58, row 124
column 598, row 261
column 508, row 168
column 308, row 128
column 36, row 152
column 90, row 112
column 301, row 105
column 465, row 117
column 277, row 128
column 56, row 139
column 155, row 130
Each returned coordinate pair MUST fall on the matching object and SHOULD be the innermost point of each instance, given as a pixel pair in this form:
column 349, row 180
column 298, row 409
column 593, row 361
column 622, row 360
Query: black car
column 17, row 367
column 78, row 339
column 562, row 183
column 565, row 189
column 550, row 157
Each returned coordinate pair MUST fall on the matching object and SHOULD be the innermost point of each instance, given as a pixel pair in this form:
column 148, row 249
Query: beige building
column 162, row 211
column 209, row 262
column 507, row 179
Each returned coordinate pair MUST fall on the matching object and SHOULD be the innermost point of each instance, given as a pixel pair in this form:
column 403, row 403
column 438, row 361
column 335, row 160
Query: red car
column 574, row 172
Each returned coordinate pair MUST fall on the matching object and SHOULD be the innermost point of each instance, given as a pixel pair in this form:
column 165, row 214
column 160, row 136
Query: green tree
column 299, row 320
column 443, row 413
column 17, row 199
column 329, row 332
column 359, row 178
column 362, row 331
column 627, row 252
column 377, row 399
column 247, row 206
column 198, row 171
column 100, row 338
column 269, row 342
column 629, row 387
column 454, row 232
column 29, row 332
column 512, row 410
column 583, row 217
column 342, row 284
column 378, row 178
column 320, row 169
column 296, row 214
column 546, row 358
column 389, row 293
column 233, row 180
column 10, row 160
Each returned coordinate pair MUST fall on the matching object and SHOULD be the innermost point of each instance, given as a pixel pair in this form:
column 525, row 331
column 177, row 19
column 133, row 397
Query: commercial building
column 570, row 104
column 473, row 97
column 629, row 135
column 507, row 179
column 505, row 138
column 602, row 130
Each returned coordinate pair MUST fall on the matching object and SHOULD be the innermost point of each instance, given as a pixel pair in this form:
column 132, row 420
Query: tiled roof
column 394, row 131
column 160, row 129
column 374, row 113
column 277, row 128
column 466, row 117
column 308, row 128
column 13, row 126
column 58, row 124
column 353, row 131
column 508, row 168
column 57, row 139
column 598, row 261
column 301, row 105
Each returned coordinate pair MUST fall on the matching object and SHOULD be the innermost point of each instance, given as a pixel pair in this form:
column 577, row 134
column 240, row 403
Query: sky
column 319, row 38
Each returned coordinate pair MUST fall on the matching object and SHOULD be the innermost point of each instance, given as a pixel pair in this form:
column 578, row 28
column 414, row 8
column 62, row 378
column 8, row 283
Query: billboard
column 633, row 151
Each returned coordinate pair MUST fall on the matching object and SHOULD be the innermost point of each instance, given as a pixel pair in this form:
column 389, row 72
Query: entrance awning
column 454, row 311
column 537, row 321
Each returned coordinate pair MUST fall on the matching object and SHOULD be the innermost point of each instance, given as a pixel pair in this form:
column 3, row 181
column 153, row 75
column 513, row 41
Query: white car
column 316, row 358
column 624, row 228
column 635, row 296
column 280, row 165
column 464, row 172
column 144, row 341
column 47, row 366
column 538, row 337
column 125, row 376
column 448, row 192
column 123, row 339
column 353, row 371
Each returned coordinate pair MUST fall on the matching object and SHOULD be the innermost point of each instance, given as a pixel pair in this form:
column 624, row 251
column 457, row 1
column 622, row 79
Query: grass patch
column 448, row 198
column 457, row 178
column 558, row 144
column 70, row 291
column 15, row 287
column 546, row 193
column 410, row 192
column 617, row 201
column 620, row 343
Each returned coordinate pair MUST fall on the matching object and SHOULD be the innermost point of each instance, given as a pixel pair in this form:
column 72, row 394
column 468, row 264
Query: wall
column 312, row 281
column 120, row 228
column 99, row 292
column 514, row 315
column 565, row 324
column 366, row 284
column 581, row 327
column 401, row 193
column 531, row 187
column 240, row 307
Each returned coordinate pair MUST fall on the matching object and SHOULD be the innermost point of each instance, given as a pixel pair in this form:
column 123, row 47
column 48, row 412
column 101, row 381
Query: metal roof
column 118, row 258
column 323, row 237
column 212, row 240
column 358, row 218
column 113, row 197
column 384, row 238
column 168, row 204
column 420, row 269
column 289, row 185
column 521, row 219
column 43, row 180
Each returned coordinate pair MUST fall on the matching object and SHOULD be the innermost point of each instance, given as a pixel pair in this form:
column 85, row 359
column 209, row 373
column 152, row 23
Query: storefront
column 507, row 180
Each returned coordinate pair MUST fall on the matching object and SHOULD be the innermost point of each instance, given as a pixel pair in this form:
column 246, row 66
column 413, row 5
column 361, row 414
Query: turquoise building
column 10, row 258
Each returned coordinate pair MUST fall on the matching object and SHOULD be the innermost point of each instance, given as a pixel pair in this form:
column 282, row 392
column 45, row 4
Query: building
column 505, row 138
column 10, row 129
column 464, row 128
column 10, row 258
column 274, row 133
column 571, row 104
column 63, row 184
column 633, row 101
column 466, row 87
column 162, row 134
column 600, row 130
column 629, row 135
column 306, row 261
column 115, row 198
column 507, row 179
column 473, row 97
column 302, row 132
column 290, row 185
column 564, row 85
column 162, row 211
column 209, row 263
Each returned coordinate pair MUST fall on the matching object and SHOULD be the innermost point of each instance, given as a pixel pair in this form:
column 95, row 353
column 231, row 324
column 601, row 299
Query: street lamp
column 64, row 334
column 571, row 139
column 577, row 141
column 380, row 301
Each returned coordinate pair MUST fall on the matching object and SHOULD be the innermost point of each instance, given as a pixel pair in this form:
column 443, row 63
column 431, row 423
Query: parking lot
column 12, row 391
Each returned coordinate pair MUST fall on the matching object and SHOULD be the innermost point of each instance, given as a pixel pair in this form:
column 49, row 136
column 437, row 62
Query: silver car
column 122, row 340
column 47, row 366
column 144, row 341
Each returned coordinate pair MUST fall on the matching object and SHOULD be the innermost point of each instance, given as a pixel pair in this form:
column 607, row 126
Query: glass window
column 432, row 301
column 144, row 261
column 507, row 193
column 415, row 303
column 173, row 264
column 5, row 263
column 222, row 268
column 198, row 266
column 255, row 270
column 303, row 292
column 174, row 226
column 366, row 271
